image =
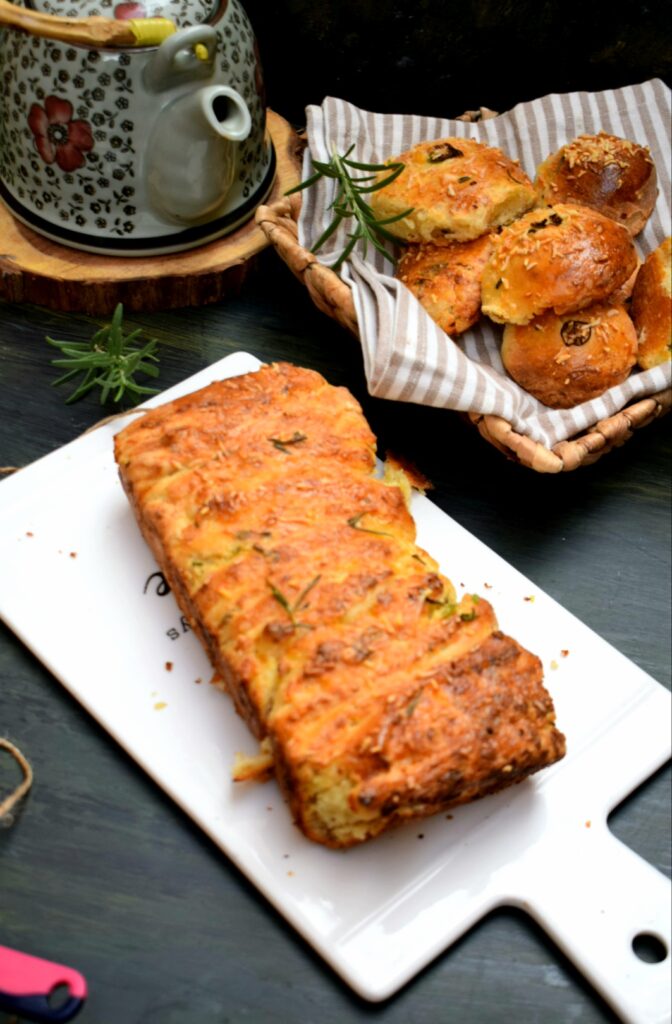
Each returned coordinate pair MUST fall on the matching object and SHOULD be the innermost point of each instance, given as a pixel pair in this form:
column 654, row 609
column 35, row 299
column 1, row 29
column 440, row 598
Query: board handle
column 27, row 983
column 609, row 910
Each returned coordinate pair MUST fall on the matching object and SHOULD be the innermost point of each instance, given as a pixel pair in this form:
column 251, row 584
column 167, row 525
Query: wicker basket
column 332, row 296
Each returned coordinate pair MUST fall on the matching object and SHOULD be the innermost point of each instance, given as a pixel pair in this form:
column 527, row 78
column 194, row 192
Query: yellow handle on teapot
column 91, row 31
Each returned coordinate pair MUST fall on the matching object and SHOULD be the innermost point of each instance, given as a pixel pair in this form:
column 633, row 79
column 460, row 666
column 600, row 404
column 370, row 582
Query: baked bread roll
column 379, row 695
column 651, row 307
column 566, row 360
column 612, row 175
column 458, row 189
column 446, row 280
column 562, row 258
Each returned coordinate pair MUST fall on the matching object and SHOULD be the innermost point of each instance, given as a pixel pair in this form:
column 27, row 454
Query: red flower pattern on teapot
column 58, row 138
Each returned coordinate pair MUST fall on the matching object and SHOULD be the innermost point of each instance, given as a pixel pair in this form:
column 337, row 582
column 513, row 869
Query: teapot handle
column 92, row 31
column 186, row 55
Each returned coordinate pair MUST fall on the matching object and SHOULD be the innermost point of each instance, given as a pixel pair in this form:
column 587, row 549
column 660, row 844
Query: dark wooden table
column 102, row 871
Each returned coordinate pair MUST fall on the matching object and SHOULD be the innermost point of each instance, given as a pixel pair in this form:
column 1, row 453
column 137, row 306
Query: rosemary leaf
column 298, row 604
column 349, row 203
column 109, row 361
column 282, row 600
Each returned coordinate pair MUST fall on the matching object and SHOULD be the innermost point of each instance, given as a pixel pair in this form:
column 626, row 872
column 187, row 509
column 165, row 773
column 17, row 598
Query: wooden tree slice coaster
column 34, row 269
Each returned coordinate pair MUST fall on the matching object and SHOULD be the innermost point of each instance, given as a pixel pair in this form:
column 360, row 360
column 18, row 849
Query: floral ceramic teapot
column 138, row 149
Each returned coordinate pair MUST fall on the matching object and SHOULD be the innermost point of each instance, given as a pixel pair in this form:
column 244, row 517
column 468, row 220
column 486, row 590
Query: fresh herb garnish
column 108, row 361
column 349, row 202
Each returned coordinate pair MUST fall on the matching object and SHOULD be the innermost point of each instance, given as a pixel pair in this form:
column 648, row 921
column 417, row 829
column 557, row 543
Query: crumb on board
column 529, row 598
column 29, row 533
column 563, row 654
column 73, row 554
column 290, row 874
column 160, row 705
column 554, row 664
column 449, row 817
column 488, row 586
column 169, row 666
column 197, row 681
column 588, row 823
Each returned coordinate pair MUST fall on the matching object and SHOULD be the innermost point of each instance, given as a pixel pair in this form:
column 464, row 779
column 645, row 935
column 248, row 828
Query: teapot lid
column 182, row 12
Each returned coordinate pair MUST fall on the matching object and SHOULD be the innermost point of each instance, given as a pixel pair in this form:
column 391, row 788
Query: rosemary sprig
column 282, row 444
column 354, row 522
column 349, row 202
column 108, row 361
column 298, row 605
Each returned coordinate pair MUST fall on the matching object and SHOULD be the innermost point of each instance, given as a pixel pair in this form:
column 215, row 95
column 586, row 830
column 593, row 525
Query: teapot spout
column 192, row 157
column 226, row 112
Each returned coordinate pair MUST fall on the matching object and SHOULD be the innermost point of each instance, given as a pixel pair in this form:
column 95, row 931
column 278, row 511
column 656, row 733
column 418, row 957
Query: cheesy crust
column 562, row 258
column 456, row 189
column 379, row 695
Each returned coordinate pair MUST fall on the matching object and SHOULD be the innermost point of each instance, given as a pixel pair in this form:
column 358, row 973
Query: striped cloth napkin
column 407, row 357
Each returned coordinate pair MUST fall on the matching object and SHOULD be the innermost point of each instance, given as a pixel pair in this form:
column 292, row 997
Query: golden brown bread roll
column 624, row 291
column 458, row 189
column 561, row 258
column 612, row 175
column 446, row 280
column 566, row 360
column 651, row 307
column 380, row 695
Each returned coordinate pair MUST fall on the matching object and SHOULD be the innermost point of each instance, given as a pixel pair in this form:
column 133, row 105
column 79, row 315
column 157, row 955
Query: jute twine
column 10, row 802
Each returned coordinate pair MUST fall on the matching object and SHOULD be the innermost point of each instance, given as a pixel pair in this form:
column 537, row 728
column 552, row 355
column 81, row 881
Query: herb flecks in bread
column 380, row 695
column 458, row 189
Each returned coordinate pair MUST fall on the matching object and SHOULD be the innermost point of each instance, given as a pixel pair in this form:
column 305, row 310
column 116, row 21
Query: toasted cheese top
column 338, row 639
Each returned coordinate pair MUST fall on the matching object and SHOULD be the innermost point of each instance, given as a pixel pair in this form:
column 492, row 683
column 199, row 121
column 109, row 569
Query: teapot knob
column 184, row 56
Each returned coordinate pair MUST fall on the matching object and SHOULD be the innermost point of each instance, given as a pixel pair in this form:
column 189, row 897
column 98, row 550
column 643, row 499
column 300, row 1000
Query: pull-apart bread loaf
column 380, row 695
column 454, row 190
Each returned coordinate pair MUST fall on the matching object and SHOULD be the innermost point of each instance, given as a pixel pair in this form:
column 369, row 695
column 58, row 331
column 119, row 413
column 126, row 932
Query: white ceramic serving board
column 77, row 584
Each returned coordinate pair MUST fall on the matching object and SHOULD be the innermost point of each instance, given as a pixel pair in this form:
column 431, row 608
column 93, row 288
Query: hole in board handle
column 649, row 948
column 59, row 995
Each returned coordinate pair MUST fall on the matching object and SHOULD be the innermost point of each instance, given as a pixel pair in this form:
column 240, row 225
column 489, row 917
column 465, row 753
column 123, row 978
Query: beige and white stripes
column 407, row 357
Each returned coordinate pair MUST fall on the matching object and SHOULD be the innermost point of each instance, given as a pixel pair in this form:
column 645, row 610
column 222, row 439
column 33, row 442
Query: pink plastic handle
column 21, row 974
column 26, row 983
